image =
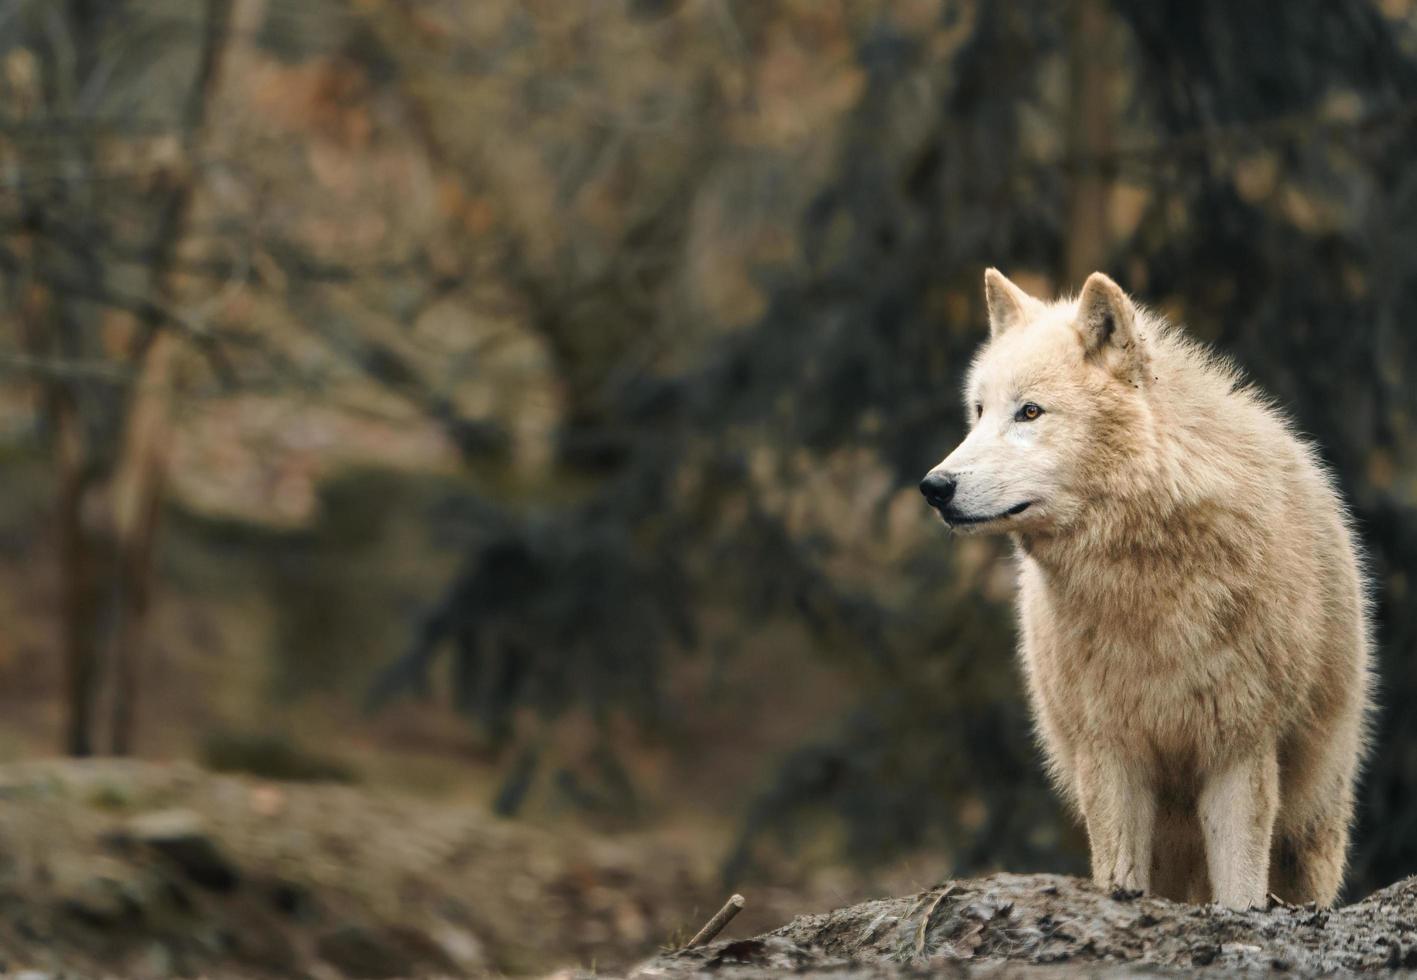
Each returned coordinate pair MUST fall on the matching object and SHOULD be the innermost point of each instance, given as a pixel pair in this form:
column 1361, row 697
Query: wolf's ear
column 1107, row 323
column 1008, row 305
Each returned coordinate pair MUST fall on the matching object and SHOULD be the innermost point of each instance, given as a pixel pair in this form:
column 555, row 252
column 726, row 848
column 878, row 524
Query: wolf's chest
column 1170, row 701
column 1125, row 665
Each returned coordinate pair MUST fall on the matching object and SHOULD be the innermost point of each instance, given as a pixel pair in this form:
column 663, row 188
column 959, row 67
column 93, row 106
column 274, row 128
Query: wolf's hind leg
column 1316, row 810
column 1307, row 866
column 1237, row 810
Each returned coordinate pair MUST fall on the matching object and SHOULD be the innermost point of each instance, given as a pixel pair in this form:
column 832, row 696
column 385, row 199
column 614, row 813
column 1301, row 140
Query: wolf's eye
column 978, row 410
column 1028, row 412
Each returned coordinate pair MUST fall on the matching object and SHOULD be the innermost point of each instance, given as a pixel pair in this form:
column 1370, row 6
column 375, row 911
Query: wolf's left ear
column 1107, row 323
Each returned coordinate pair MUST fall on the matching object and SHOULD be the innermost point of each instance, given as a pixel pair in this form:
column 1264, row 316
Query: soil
column 150, row 869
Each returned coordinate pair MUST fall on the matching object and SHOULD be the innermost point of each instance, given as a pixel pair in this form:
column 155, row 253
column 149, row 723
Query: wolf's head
column 1052, row 401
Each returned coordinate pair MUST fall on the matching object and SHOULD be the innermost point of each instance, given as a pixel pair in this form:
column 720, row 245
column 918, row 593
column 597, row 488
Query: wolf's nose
column 938, row 488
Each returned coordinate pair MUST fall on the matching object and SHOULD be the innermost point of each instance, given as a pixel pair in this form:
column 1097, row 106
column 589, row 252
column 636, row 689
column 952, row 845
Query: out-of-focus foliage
column 1260, row 206
column 684, row 291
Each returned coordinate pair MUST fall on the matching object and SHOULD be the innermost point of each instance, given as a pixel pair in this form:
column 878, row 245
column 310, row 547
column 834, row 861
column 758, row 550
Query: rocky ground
column 145, row 870
column 1049, row 925
column 141, row 869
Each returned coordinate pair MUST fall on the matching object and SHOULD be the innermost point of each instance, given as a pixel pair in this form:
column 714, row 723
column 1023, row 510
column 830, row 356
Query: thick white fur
column 1193, row 611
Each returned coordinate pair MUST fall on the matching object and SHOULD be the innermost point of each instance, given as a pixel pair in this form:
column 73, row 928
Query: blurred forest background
column 522, row 401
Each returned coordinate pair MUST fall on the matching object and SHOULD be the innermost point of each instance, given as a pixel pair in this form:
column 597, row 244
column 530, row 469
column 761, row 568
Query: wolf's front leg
column 1237, row 807
column 1119, row 805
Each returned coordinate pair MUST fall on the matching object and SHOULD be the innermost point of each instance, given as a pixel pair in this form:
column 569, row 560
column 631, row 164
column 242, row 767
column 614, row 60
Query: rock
column 372, row 952
column 361, row 952
column 462, row 948
column 1003, row 922
column 268, row 801
column 292, row 899
column 263, row 945
column 180, row 838
column 101, row 892
column 156, row 960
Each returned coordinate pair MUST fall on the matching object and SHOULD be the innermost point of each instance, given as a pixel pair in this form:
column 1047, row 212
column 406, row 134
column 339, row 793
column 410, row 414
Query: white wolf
column 1193, row 612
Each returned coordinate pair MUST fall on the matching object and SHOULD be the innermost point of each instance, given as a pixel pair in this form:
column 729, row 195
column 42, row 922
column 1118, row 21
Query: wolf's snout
column 939, row 489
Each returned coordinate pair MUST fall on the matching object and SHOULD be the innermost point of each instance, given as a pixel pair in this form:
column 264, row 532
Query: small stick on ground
column 715, row 925
column 930, row 914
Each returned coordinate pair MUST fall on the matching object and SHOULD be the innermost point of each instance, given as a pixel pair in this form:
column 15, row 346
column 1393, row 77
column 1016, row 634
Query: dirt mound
column 1058, row 926
column 143, row 870
column 135, row 869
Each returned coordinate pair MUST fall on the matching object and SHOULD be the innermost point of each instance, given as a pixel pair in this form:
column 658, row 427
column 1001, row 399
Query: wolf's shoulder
column 1207, row 379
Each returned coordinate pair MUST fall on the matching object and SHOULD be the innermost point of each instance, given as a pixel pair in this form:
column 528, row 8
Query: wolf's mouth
column 951, row 517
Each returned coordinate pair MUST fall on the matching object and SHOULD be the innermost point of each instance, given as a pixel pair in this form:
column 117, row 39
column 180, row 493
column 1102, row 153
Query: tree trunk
column 137, row 502
column 78, row 549
column 79, row 583
column 140, row 475
column 1089, row 140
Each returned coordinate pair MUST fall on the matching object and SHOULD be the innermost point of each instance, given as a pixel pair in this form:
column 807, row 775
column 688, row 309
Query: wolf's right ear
column 1107, row 326
column 1008, row 305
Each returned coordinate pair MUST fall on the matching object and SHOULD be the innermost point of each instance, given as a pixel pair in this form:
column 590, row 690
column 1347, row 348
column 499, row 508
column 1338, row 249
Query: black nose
column 938, row 488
